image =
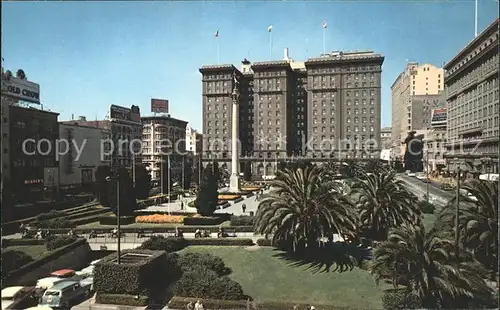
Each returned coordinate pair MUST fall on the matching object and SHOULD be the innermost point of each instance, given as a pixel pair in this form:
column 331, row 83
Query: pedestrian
column 182, row 205
column 243, row 207
column 197, row 305
column 190, row 306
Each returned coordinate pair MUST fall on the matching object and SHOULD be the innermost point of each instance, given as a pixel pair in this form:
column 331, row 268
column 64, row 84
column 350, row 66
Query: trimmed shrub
column 427, row 207
column 49, row 215
column 205, row 283
column 221, row 241
column 178, row 302
column 242, row 220
column 53, row 242
column 203, row 220
column 160, row 243
column 14, row 242
column 111, row 220
column 122, row 299
column 190, row 261
column 60, row 222
column 142, row 275
column 399, row 299
column 12, row 260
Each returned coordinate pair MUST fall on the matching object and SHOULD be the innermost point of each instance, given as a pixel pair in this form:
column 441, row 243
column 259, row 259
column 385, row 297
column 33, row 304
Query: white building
column 77, row 165
column 193, row 141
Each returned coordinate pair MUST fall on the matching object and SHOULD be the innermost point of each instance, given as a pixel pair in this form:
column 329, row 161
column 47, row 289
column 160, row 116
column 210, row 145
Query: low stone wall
column 73, row 256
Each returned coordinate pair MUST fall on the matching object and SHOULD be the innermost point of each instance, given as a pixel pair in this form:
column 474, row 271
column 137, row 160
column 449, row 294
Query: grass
column 35, row 251
column 266, row 277
column 429, row 220
column 96, row 225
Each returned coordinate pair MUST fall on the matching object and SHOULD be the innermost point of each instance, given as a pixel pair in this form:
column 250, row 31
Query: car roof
column 62, row 285
column 62, row 272
column 11, row 291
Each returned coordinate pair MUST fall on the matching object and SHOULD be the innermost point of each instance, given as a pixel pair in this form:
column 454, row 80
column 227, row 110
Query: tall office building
column 416, row 89
column 277, row 123
column 472, row 86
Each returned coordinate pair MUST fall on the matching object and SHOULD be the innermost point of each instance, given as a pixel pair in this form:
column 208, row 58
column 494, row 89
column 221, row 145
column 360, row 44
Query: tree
column 478, row 221
column 425, row 263
column 102, row 187
column 376, row 166
column 304, row 206
column 206, row 201
column 349, row 168
column 384, row 203
column 128, row 202
column 142, row 182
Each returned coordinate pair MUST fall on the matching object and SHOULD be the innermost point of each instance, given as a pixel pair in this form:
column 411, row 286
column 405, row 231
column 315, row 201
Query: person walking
column 182, row 205
column 243, row 208
column 190, row 306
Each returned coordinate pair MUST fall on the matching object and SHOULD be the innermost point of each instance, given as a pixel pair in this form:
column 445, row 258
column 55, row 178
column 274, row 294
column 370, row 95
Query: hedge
column 53, row 242
column 49, row 215
column 112, row 220
column 178, row 302
column 427, row 207
column 242, row 220
column 220, row 241
column 190, row 261
column 122, row 299
column 18, row 242
column 58, row 222
column 160, row 243
column 399, row 299
column 205, row 220
column 13, row 259
column 142, row 277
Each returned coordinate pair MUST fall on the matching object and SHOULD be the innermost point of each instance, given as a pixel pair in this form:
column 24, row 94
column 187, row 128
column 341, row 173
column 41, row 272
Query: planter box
column 237, row 200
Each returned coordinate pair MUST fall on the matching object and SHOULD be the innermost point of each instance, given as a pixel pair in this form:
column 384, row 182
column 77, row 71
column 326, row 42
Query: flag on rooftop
column 270, row 28
column 216, row 34
column 325, row 24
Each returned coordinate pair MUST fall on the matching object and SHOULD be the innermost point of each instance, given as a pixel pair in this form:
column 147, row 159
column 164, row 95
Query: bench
column 227, row 233
column 146, row 233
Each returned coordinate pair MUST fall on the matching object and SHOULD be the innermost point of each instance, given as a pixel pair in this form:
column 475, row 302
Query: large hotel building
column 321, row 109
column 472, row 86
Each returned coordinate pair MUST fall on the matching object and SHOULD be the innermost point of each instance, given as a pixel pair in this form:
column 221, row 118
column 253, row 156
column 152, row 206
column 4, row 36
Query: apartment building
column 386, row 137
column 85, row 151
column 413, row 91
column 164, row 141
column 472, row 96
column 277, row 123
column 194, row 143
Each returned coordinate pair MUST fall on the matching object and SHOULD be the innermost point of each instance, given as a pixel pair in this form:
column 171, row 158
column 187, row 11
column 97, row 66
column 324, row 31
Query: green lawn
column 429, row 220
column 35, row 251
column 96, row 225
column 268, row 278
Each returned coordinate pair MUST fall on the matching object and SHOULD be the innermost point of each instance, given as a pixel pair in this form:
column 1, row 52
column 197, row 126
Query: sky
column 91, row 54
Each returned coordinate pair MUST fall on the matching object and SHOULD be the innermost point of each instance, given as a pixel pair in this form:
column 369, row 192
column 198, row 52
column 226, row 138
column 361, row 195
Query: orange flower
column 160, row 219
column 228, row 197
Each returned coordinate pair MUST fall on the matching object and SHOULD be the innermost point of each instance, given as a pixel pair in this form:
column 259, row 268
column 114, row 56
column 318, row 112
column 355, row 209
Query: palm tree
column 384, row 203
column 425, row 263
column 349, row 168
column 478, row 221
column 331, row 167
column 305, row 206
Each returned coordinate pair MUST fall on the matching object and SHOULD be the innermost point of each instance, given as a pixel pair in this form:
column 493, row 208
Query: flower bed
column 160, row 219
column 251, row 188
column 228, row 197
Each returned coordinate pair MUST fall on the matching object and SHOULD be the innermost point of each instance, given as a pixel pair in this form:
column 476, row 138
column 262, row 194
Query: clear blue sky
column 88, row 55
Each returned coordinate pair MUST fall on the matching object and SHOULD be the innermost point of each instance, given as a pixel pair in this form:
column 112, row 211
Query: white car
column 11, row 294
column 46, row 283
column 411, row 174
column 40, row 308
column 92, row 263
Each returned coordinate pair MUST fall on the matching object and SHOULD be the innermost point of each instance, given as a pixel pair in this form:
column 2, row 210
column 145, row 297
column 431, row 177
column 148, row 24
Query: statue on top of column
column 236, row 87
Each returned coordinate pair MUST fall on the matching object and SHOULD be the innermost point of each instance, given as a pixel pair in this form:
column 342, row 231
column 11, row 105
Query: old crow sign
column 20, row 89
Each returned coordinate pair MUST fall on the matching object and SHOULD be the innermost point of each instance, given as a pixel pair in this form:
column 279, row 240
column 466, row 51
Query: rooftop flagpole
column 216, row 34
column 475, row 18
column 270, row 30
column 324, row 25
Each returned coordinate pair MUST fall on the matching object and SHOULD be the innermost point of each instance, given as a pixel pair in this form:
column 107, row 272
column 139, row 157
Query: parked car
column 48, row 282
column 40, row 308
column 67, row 274
column 92, row 263
column 64, row 294
column 86, row 272
column 88, row 282
column 12, row 294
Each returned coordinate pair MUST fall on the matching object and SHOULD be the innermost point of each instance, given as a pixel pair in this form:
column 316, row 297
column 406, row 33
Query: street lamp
column 109, row 179
column 457, row 210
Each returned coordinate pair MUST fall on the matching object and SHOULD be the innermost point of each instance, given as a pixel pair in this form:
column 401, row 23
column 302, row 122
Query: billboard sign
column 439, row 117
column 117, row 112
column 20, row 89
column 159, row 106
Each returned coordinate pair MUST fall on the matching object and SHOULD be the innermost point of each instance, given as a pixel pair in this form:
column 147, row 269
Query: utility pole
column 183, row 182
column 427, row 173
column 133, row 168
column 168, row 181
column 457, row 214
column 161, row 176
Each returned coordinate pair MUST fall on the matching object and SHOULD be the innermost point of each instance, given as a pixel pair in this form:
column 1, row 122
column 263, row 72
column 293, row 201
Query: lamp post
column 427, row 173
column 118, row 235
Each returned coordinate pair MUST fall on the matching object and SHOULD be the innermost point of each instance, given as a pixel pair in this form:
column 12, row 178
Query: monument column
column 234, row 181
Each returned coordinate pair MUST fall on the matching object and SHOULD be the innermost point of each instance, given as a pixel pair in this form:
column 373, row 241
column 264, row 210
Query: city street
column 420, row 189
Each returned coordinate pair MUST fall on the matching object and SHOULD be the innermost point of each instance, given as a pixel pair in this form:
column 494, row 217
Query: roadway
column 419, row 188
